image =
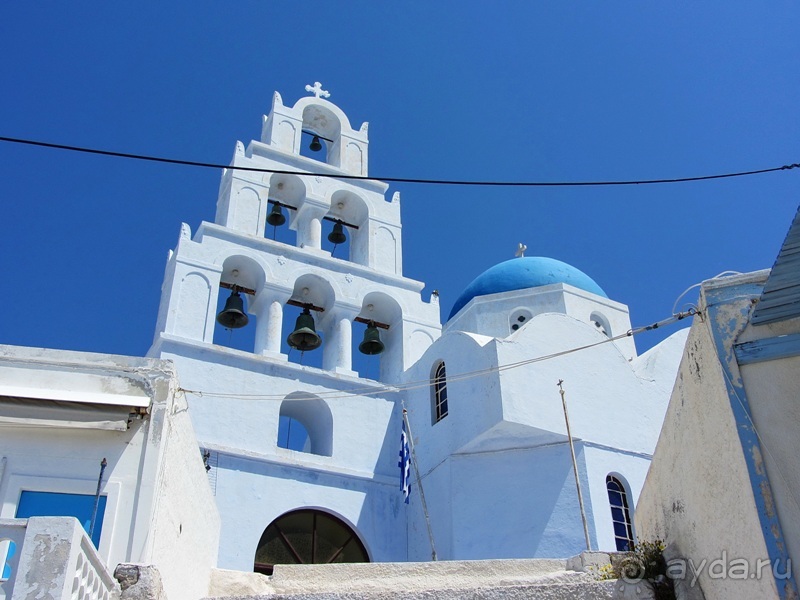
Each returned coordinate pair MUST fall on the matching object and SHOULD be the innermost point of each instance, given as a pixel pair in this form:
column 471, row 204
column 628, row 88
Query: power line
column 193, row 163
column 412, row 385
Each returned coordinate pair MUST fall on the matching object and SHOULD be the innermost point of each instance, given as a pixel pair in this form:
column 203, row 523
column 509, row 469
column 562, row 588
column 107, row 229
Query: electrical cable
column 412, row 385
column 459, row 182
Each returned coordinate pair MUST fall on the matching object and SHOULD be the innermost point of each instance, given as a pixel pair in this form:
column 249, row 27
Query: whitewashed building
column 724, row 485
column 304, row 457
column 107, row 440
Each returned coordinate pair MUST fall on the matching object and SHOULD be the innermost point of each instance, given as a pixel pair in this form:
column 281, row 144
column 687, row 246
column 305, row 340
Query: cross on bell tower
column 317, row 90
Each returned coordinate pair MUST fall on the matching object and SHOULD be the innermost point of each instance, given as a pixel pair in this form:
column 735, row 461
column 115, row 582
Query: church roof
column 523, row 273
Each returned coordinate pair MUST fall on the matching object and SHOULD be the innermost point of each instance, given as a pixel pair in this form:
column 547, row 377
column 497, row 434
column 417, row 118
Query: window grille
column 439, row 393
column 620, row 515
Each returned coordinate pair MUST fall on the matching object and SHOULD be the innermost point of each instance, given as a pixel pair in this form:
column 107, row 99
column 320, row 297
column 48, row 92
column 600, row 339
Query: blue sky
column 452, row 90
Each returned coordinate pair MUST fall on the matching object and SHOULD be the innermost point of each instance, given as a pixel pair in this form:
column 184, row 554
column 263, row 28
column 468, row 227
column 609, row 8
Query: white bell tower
column 247, row 404
column 271, row 175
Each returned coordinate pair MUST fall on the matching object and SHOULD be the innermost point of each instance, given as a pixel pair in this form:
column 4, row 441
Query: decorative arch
column 248, row 275
column 382, row 308
column 330, row 119
column 518, row 317
column 601, row 323
column 620, row 512
column 315, row 289
column 386, row 250
column 194, row 301
column 314, row 416
column 244, row 271
column 286, row 188
column 308, row 536
column 352, row 209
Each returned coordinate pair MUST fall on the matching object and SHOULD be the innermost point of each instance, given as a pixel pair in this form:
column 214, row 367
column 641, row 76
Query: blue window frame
column 52, row 504
column 620, row 514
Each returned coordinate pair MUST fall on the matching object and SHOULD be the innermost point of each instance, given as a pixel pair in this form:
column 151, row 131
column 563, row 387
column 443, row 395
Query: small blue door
column 51, row 504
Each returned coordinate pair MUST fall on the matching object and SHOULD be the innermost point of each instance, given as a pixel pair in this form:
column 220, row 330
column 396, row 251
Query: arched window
column 306, row 425
column 518, row 318
column 620, row 515
column 601, row 323
column 307, row 537
column 439, row 400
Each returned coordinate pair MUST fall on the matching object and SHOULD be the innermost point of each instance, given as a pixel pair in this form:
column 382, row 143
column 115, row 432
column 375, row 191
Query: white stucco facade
column 723, row 486
column 71, row 410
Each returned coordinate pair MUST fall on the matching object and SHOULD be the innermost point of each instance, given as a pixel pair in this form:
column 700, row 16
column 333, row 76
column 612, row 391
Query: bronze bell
column 275, row 216
column 315, row 145
column 233, row 315
column 304, row 337
column 372, row 343
column 337, row 236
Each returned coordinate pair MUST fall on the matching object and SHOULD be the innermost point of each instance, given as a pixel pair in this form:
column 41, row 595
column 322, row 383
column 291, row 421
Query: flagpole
column 575, row 466
column 419, row 483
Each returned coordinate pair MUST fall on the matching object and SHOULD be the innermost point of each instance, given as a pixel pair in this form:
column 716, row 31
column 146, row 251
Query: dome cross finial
column 317, row 90
column 520, row 253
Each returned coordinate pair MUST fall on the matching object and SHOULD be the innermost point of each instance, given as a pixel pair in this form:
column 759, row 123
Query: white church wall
column 515, row 504
column 503, row 314
column 473, row 402
column 239, row 403
column 627, row 467
column 489, row 314
column 500, row 423
column 257, row 491
column 608, row 404
column 358, row 482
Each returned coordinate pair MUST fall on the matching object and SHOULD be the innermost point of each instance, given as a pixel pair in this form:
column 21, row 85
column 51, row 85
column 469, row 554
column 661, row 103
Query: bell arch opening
column 307, row 536
column 305, row 327
column 323, row 132
column 234, row 325
column 348, row 215
column 378, row 350
column 286, row 194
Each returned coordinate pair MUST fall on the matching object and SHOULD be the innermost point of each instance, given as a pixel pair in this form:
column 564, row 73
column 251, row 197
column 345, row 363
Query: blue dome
column 523, row 273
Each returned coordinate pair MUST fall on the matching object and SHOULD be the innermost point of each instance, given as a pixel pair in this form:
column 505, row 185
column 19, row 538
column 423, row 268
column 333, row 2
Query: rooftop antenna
column 520, row 253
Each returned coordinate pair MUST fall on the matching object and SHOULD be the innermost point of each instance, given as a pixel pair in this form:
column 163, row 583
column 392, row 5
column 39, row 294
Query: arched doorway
column 307, row 537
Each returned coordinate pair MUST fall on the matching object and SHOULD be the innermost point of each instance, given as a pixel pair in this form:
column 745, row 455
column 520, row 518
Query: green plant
column 646, row 564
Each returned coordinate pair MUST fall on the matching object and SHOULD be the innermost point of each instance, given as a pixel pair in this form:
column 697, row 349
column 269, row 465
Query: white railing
column 12, row 534
column 53, row 559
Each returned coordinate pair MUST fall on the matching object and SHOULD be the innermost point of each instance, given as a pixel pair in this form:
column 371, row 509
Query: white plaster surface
column 697, row 494
column 159, row 506
column 544, row 579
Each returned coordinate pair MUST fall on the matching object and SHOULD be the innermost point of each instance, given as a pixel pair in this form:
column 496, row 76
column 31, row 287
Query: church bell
column 233, row 315
column 315, row 145
column 304, row 337
column 372, row 343
column 276, row 217
column 337, row 236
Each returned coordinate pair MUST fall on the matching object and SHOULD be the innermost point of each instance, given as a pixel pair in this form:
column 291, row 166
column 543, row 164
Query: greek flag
column 405, row 464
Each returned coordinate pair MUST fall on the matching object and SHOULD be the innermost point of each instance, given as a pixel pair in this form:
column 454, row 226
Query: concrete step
column 537, row 579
